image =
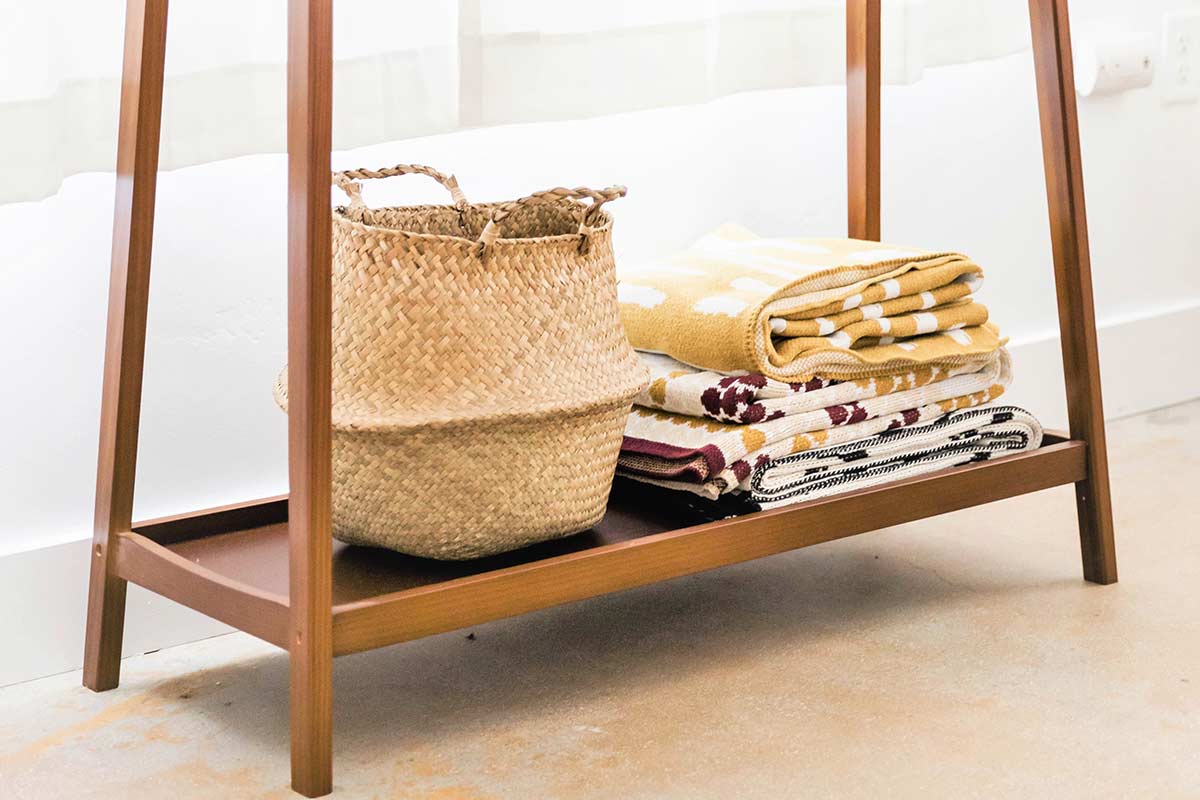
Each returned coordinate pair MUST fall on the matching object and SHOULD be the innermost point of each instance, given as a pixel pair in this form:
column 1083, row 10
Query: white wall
column 962, row 170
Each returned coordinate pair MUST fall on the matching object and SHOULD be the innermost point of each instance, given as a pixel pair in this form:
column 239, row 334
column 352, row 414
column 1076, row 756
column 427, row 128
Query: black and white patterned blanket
column 961, row 437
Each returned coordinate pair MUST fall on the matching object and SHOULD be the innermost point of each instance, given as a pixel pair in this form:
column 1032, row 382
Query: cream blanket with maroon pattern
column 719, row 428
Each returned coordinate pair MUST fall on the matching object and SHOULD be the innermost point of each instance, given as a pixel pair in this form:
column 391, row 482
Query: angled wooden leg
column 1073, row 278
column 863, row 79
column 310, row 74
column 128, row 292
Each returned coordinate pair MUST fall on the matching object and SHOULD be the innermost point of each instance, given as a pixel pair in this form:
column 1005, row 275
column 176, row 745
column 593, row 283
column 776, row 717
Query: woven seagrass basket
column 481, row 376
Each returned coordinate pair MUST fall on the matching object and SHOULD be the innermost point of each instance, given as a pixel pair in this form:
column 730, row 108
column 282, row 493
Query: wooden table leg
column 128, row 293
column 1073, row 278
column 863, row 86
column 310, row 78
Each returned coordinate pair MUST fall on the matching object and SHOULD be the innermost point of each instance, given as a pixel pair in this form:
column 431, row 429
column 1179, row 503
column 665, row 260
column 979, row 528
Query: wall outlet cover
column 1181, row 58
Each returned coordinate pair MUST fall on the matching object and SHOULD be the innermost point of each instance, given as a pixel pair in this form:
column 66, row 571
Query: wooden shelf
column 232, row 563
column 280, row 579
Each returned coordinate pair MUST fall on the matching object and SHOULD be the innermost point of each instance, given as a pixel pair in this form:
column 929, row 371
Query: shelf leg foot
column 311, row 720
column 105, row 625
column 1096, row 534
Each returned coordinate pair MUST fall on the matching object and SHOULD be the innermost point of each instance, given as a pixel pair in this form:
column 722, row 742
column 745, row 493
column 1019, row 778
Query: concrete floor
column 953, row 658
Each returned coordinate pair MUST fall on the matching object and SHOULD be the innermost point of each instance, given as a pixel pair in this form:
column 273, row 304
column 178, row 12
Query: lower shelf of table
column 232, row 563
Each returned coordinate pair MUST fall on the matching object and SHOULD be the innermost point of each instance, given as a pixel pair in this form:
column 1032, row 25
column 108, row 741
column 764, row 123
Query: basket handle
column 491, row 231
column 347, row 181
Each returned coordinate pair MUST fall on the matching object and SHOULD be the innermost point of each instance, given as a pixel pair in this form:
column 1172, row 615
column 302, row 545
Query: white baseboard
column 45, row 591
column 1131, row 349
column 47, row 588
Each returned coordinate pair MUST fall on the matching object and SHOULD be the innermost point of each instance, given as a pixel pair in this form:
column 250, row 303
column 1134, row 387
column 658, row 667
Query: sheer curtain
column 408, row 68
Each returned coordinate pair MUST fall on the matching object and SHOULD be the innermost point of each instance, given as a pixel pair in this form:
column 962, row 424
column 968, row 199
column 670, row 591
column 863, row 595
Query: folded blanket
column 711, row 458
column 746, row 397
column 962, row 437
column 792, row 309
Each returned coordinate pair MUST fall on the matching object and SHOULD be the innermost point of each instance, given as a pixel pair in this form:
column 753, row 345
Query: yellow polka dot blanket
column 709, row 432
column 794, row 309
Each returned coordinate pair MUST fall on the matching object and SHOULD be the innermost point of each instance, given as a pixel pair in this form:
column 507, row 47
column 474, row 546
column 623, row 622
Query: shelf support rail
column 309, row 142
column 125, row 348
column 1073, row 279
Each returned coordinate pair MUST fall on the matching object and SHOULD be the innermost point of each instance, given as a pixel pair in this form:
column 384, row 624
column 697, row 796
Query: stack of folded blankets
column 791, row 369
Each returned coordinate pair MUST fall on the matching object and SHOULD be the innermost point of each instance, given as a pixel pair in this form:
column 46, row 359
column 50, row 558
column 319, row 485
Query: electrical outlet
column 1181, row 57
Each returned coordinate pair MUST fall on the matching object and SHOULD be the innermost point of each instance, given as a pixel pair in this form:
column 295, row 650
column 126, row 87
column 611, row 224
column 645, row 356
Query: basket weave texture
column 481, row 376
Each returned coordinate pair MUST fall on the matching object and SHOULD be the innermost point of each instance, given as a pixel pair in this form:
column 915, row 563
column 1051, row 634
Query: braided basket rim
column 604, row 222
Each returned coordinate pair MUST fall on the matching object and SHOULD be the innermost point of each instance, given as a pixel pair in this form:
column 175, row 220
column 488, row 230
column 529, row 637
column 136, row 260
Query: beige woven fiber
column 481, row 376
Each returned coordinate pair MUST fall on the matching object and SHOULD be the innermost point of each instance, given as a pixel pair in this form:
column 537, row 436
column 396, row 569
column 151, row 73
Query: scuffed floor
column 957, row 657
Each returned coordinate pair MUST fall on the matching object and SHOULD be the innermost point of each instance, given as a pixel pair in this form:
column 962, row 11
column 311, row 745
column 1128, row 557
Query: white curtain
column 406, row 68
